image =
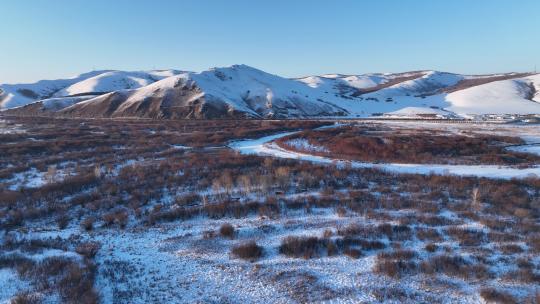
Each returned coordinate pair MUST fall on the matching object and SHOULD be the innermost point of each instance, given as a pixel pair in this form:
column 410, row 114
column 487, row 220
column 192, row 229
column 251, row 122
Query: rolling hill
column 240, row 91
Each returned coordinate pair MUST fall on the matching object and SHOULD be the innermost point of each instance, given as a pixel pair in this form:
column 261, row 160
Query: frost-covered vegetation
column 124, row 216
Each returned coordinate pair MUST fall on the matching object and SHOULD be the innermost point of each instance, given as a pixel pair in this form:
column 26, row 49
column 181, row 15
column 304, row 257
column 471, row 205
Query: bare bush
column 247, row 251
column 492, row 295
column 227, row 230
column 302, row 246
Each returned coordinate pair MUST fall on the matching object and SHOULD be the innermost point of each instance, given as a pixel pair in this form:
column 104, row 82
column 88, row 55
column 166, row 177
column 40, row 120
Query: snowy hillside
column 96, row 82
column 419, row 112
column 15, row 95
column 114, row 81
column 430, row 82
column 234, row 91
column 481, row 94
column 243, row 91
column 343, row 84
column 516, row 96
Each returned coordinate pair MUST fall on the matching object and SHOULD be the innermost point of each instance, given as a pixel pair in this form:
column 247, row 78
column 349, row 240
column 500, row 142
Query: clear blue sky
column 59, row 38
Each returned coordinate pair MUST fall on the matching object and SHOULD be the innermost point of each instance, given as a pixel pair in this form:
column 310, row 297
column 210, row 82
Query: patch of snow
column 29, row 179
column 418, row 112
column 533, row 149
column 11, row 285
column 303, row 144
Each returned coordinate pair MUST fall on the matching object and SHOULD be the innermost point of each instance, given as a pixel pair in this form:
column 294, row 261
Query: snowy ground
column 176, row 264
column 186, row 260
column 532, row 148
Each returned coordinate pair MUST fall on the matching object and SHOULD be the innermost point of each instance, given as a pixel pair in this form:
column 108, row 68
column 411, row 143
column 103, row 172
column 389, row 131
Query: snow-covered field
column 156, row 209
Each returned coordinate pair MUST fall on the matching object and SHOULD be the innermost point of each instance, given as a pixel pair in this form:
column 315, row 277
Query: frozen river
column 266, row 146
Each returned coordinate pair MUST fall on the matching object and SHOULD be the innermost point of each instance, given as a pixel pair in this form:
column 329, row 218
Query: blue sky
column 60, row 38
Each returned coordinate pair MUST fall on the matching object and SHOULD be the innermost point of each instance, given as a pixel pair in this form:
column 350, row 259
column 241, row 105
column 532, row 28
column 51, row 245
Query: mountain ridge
column 241, row 91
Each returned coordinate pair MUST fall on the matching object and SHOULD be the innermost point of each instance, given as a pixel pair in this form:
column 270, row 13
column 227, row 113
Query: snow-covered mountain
column 15, row 95
column 236, row 91
column 241, row 91
column 516, row 96
column 114, row 81
column 92, row 83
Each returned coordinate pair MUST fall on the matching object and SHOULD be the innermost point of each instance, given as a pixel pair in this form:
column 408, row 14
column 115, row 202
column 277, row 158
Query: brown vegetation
column 247, row 251
column 368, row 144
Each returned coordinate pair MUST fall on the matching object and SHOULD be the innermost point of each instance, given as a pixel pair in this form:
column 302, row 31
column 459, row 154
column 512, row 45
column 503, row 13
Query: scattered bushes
column 509, row 207
column 467, row 237
column 395, row 268
column 454, row 266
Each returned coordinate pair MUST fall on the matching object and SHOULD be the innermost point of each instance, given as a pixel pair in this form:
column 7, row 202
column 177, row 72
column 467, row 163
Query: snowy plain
column 176, row 263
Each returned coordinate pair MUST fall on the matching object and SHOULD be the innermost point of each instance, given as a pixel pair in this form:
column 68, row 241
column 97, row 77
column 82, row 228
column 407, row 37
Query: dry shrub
column 62, row 221
column 88, row 223
column 247, row 251
column 353, row 253
column 26, row 298
column 76, row 285
column 430, row 234
column 524, row 276
column 119, row 217
column 301, row 246
column 88, row 249
column 454, row 266
column 492, row 295
column 395, row 268
column 431, row 247
column 227, row 230
column 396, row 232
column 371, row 245
column 533, row 241
column 341, row 212
column 510, row 249
column 393, row 294
column 502, row 237
column 402, row 254
column 467, row 237
column 209, row 234
column 328, row 233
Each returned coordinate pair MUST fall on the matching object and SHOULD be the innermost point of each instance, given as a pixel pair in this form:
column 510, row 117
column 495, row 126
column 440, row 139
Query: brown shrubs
column 88, row 223
column 301, row 246
column 247, row 251
column 227, row 230
column 492, row 295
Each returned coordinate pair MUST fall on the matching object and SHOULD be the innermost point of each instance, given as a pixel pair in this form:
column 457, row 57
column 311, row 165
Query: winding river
column 266, row 146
